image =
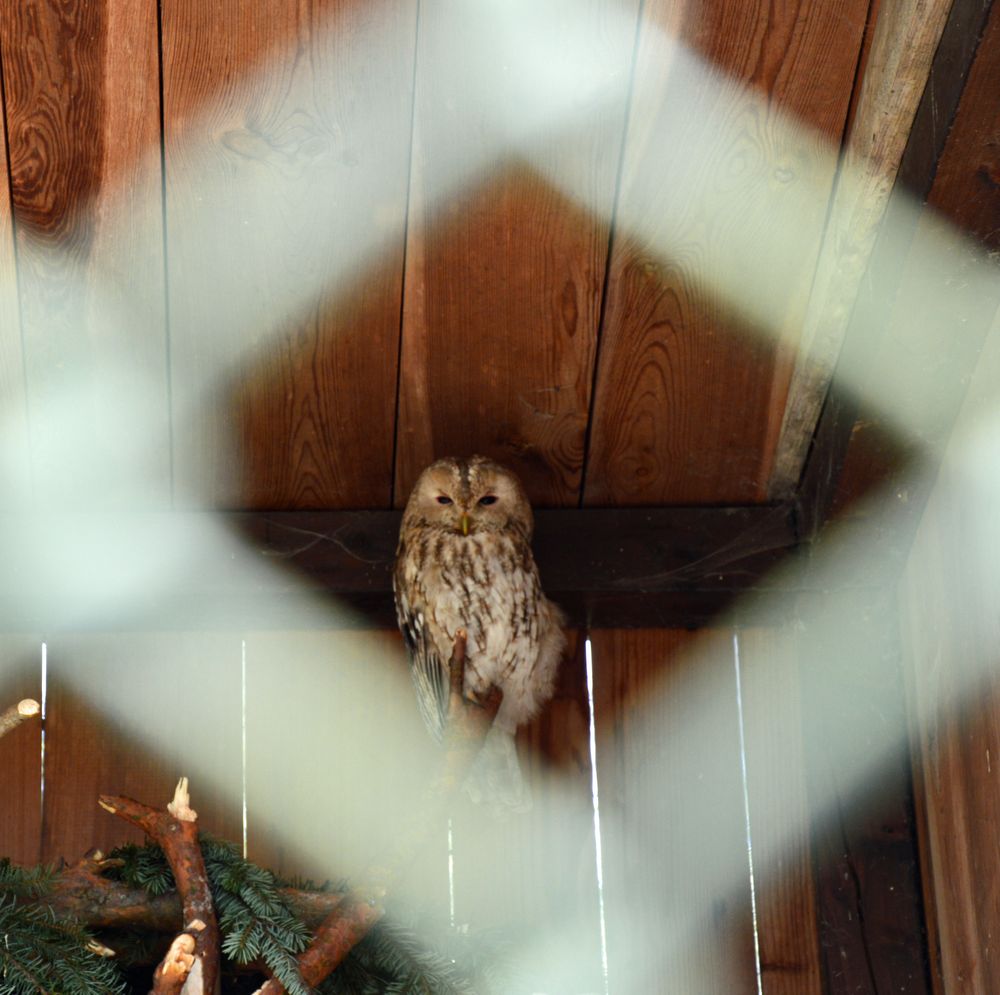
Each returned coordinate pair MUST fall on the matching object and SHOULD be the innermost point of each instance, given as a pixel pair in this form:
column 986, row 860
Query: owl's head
column 468, row 496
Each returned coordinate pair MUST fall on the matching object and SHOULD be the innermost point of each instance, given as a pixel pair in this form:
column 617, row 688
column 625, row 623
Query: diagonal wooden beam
column 947, row 163
column 905, row 38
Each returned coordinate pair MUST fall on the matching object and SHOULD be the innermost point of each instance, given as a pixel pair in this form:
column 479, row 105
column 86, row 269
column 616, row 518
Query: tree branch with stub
column 192, row 963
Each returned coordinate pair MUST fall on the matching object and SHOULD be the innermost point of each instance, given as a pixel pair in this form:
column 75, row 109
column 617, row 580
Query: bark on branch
column 194, row 960
column 85, row 894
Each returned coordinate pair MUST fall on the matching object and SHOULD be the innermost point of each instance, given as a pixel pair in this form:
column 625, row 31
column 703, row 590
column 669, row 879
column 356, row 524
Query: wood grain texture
column 504, row 277
column 129, row 714
column 81, row 85
column 950, row 636
column 676, row 875
column 689, row 398
column 533, row 875
column 15, row 469
column 905, row 39
column 286, row 155
column 787, row 927
column 21, row 751
column 968, row 175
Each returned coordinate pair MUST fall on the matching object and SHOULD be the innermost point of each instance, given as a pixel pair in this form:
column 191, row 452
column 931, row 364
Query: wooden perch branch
column 25, row 709
column 467, row 726
column 85, row 894
column 192, row 965
column 340, row 920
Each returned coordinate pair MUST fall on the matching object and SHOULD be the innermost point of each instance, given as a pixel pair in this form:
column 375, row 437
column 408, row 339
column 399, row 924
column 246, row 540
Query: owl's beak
column 465, row 524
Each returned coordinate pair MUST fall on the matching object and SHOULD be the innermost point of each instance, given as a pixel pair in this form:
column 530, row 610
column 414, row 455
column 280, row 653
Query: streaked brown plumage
column 464, row 561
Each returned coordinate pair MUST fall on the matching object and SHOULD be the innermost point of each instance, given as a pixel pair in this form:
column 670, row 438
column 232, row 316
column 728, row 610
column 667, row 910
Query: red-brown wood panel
column 81, row 86
column 533, row 874
column 15, row 474
column 21, row 751
column 689, row 396
column 504, row 271
column 287, row 133
column 780, row 824
column 676, row 873
column 128, row 714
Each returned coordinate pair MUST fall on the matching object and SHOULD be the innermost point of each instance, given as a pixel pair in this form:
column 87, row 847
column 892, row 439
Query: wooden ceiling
column 510, row 321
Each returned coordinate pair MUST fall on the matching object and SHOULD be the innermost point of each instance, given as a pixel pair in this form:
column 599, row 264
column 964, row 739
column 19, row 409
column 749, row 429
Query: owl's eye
column 443, row 499
column 488, row 499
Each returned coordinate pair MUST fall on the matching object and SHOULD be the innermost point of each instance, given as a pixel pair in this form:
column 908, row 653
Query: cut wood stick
column 25, row 709
column 176, row 831
column 467, row 726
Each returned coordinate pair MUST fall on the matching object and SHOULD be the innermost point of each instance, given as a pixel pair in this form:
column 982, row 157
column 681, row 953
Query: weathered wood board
column 81, row 86
column 688, row 397
column 286, row 156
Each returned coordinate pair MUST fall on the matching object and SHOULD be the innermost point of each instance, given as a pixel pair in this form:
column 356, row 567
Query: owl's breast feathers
column 486, row 583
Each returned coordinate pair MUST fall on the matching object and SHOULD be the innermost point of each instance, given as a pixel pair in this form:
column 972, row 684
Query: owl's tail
column 495, row 779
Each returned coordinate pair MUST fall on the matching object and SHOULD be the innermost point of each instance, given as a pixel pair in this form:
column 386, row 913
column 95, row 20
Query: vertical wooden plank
column 951, row 633
column 872, row 936
column 787, row 927
column 677, row 879
column 504, row 278
column 81, row 87
column 127, row 715
column 532, row 875
column 21, row 751
column 15, row 467
column 286, row 154
column 337, row 758
column 673, row 356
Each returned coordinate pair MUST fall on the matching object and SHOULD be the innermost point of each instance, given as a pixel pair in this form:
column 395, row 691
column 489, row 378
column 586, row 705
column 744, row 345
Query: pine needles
column 257, row 926
column 255, row 923
column 42, row 954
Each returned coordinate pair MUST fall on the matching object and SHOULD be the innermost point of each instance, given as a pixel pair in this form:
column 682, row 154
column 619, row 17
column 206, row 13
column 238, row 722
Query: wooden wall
column 701, row 739
column 235, row 234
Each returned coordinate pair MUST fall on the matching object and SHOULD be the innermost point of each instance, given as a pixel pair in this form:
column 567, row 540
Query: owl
column 464, row 562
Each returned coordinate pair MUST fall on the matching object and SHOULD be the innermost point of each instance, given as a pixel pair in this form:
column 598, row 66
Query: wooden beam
column 623, row 567
column 906, row 35
column 946, row 160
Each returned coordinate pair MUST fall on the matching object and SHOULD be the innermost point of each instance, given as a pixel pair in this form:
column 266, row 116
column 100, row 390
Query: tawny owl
column 464, row 562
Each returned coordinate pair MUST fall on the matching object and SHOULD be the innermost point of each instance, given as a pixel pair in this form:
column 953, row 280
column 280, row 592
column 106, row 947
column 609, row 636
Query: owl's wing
column 429, row 672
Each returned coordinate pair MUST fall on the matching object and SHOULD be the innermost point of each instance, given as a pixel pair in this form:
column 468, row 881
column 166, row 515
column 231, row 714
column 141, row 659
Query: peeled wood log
column 25, row 709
